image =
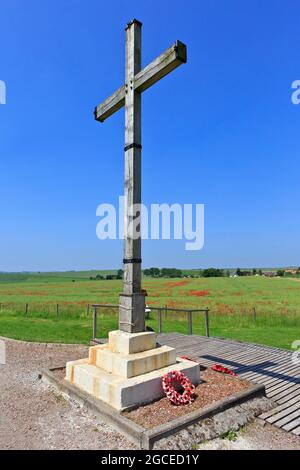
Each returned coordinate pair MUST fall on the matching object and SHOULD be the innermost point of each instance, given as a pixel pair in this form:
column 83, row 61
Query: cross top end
column 169, row 60
column 134, row 21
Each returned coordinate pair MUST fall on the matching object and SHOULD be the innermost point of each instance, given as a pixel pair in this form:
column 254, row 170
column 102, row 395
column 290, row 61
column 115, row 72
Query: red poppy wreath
column 173, row 395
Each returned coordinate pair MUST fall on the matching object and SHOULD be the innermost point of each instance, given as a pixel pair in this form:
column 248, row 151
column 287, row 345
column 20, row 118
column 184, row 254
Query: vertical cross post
column 132, row 300
column 137, row 80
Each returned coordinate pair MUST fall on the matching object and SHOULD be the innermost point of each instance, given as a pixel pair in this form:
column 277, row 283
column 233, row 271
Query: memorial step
column 132, row 365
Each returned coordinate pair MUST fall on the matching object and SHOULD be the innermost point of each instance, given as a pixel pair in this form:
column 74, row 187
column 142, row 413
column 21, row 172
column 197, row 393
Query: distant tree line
column 108, row 277
column 245, row 272
column 173, row 272
column 164, row 272
column 209, row 272
column 214, row 272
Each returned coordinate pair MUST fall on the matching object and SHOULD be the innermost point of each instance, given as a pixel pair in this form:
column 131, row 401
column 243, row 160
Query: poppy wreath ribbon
column 176, row 397
column 223, row 370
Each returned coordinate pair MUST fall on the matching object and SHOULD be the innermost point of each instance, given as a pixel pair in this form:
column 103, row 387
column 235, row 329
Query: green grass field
column 230, row 300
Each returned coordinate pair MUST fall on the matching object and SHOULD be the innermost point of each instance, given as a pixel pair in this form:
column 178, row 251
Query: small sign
column 2, row 352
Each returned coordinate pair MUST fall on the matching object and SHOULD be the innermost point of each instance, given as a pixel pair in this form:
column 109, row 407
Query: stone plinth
column 130, row 343
column 128, row 370
column 132, row 312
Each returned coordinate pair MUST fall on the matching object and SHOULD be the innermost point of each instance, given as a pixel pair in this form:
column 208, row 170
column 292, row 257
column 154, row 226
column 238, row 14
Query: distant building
column 269, row 273
column 292, row 271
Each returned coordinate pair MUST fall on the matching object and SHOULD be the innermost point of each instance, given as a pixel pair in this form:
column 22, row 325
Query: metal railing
column 160, row 311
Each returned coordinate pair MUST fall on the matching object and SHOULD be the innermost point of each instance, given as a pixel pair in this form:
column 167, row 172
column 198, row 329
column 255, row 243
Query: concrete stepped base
column 123, row 393
column 128, row 370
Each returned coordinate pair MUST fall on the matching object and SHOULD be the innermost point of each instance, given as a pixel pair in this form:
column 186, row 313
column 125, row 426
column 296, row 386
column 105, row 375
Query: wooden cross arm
column 110, row 105
column 169, row 60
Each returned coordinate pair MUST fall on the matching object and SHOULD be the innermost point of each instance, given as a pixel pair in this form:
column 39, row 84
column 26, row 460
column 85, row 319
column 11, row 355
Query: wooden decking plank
column 278, row 362
column 206, row 351
column 281, row 371
column 296, row 431
column 259, row 354
column 244, row 362
column 281, row 388
column 257, row 371
column 289, row 422
column 288, row 397
column 282, row 393
column 295, row 380
column 255, row 361
column 261, row 365
column 208, row 345
column 284, row 413
column 280, row 408
column 269, row 382
column 283, row 384
column 292, row 425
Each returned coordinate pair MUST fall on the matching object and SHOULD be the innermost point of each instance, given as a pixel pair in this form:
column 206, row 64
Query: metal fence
column 47, row 309
column 161, row 319
column 162, row 313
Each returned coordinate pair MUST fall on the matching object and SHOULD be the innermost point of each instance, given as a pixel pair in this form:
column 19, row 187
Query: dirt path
column 33, row 417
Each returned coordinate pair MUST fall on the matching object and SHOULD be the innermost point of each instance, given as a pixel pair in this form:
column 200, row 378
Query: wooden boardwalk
column 261, row 364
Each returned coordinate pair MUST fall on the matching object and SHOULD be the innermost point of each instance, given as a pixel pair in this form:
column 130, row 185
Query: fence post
column 207, row 322
column 26, row 309
column 190, row 323
column 254, row 314
column 95, row 323
column 87, row 310
column 159, row 322
column 147, row 313
column 57, row 310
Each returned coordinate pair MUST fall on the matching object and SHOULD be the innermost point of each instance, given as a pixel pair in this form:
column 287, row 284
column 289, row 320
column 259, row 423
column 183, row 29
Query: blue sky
column 220, row 130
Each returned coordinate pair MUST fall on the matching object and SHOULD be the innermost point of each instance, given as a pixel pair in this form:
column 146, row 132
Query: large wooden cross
column 137, row 80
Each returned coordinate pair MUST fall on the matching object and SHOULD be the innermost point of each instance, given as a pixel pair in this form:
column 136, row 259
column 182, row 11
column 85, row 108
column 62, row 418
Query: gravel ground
column 33, row 417
column 255, row 436
column 234, row 418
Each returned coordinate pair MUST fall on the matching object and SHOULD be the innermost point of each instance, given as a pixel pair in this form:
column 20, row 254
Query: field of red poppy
column 28, row 307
